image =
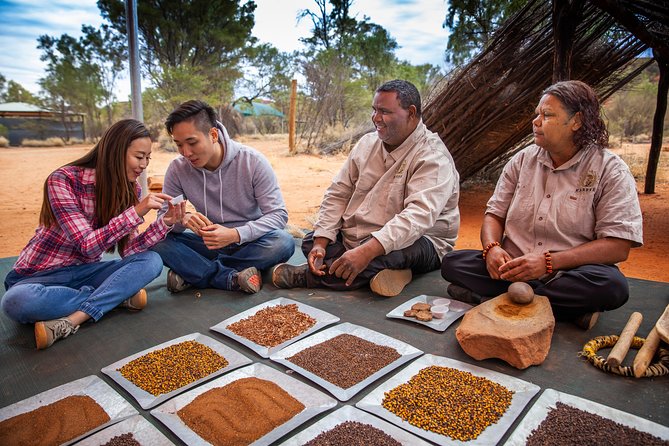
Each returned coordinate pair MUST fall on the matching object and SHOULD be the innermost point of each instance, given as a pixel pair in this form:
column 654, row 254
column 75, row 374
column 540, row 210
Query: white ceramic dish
column 456, row 310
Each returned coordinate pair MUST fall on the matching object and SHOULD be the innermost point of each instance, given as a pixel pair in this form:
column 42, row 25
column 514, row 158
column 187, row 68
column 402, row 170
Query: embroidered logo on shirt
column 587, row 182
column 400, row 170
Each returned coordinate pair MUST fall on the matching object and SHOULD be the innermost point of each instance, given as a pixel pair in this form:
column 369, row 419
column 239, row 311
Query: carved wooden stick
column 646, row 353
column 621, row 348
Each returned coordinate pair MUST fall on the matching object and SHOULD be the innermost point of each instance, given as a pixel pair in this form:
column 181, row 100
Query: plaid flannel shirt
column 77, row 238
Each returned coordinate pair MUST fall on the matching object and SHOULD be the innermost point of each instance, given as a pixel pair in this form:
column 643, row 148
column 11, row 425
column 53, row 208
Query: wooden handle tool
column 646, row 353
column 621, row 348
column 662, row 325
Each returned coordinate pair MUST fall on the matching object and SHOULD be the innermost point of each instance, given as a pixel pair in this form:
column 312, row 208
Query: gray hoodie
column 242, row 193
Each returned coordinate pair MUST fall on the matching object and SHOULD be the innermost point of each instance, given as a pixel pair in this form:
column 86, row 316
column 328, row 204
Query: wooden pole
column 291, row 116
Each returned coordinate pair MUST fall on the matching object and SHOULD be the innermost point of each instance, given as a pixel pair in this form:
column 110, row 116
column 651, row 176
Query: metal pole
column 135, row 77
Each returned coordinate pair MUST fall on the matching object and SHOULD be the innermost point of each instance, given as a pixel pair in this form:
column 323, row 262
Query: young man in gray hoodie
column 238, row 226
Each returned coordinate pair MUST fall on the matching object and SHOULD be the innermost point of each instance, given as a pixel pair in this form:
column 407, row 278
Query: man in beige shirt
column 564, row 212
column 392, row 210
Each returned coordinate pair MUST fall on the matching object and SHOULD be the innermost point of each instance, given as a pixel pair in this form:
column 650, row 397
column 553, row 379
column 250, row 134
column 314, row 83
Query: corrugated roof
column 21, row 107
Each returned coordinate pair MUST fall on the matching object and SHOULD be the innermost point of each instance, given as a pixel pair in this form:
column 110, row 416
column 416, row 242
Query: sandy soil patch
column 303, row 179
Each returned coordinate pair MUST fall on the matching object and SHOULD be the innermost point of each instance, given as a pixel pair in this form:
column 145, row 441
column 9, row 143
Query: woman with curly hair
column 564, row 212
column 90, row 206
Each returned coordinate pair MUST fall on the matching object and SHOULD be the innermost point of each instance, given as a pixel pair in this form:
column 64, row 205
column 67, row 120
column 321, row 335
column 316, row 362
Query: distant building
column 28, row 121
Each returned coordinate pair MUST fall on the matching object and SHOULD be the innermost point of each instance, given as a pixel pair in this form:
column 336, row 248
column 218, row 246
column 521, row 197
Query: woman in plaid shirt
column 91, row 206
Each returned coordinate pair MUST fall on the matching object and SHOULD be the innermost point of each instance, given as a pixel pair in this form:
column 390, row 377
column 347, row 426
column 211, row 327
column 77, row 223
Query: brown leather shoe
column 390, row 282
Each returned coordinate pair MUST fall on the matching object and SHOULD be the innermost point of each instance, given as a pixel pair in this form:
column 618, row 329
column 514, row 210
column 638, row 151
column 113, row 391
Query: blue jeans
column 187, row 255
column 94, row 288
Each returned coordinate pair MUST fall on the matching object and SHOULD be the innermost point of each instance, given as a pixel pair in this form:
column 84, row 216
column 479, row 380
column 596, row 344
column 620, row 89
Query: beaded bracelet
column 549, row 262
column 489, row 247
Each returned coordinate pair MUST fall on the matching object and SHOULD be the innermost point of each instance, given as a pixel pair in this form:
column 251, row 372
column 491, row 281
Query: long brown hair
column 113, row 192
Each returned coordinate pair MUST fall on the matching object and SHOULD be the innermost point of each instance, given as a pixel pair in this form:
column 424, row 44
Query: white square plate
column 456, row 309
column 523, row 393
column 147, row 400
column 406, row 351
column 314, row 401
column 539, row 411
column 111, row 402
column 141, row 430
column 323, row 319
column 350, row 413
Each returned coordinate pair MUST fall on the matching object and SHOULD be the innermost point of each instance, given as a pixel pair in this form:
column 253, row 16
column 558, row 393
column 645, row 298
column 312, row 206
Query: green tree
column 345, row 60
column 11, row 91
column 107, row 50
column 193, row 47
column 267, row 73
column 472, row 24
column 72, row 82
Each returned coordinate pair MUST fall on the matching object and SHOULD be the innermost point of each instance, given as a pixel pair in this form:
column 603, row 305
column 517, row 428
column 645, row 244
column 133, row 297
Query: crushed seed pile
column 353, row 433
column 345, row 360
column 239, row 413
column 274, row 325
column 566, row 425
column 449, row 402
column 123, row 440
column 55, row 423
column 173, row 367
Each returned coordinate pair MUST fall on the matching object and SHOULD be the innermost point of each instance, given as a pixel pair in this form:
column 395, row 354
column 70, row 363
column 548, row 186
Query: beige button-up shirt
column 591, row 196
column 396, row 197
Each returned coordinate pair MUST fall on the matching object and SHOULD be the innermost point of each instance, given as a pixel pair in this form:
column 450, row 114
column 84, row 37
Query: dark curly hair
column 577, row 96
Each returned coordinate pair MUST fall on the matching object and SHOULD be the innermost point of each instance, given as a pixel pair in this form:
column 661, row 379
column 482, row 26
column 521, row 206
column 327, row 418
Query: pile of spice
column 449, row 402
column 239, row 413
column 123, row 440
column 353, row 433
column 173, row 367
column 55, row 423
column 566, row 425
column 274, row 325
column 345, row 360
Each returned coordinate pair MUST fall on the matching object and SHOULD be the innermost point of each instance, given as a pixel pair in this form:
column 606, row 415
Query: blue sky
column 415, row 24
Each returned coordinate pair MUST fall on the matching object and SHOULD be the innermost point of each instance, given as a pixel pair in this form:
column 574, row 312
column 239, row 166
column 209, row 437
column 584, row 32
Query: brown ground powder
column 239, row 413
column 53, row 424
